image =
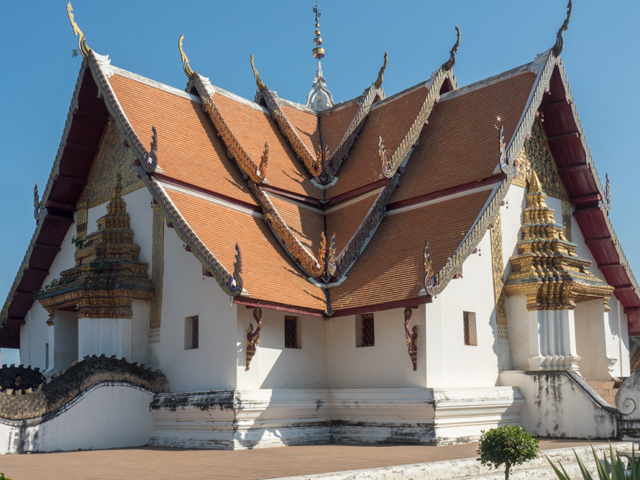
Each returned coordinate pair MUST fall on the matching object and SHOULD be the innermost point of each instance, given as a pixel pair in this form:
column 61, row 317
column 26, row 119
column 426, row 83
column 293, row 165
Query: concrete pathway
column 165, row 463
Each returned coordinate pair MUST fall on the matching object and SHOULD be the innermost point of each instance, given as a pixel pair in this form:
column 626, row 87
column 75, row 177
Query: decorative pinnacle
column 259, row 83
column 448, row 65
column 318, row 51
column 378, row 82
column 185, row 61
column 559, row 45
column 534, row 183
column 82, row 40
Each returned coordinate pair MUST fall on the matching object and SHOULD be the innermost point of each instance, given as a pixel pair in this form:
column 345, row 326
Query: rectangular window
column 191, row 332
column 365, row 331
column 470, row 335
column 291, row 332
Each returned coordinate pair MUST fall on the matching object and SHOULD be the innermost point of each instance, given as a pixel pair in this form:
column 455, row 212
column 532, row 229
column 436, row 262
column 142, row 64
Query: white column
column 109, row 336
column 552, row 340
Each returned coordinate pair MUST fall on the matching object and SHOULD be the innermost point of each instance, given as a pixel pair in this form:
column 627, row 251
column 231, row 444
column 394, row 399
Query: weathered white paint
column 63, row 341
column 108, row 415
column 552, row 340
column 186, row 293
column 451, row 363
column 384, row 365
column 562, row 404
column 274, row 366
column 108, row 336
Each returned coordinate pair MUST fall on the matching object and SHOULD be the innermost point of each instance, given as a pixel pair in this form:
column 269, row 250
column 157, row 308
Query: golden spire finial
column 185, row 61
column 534, row 183
column 559, row 45
column 448, row 65
column 259, row 83
column 82, row 40
column 378, row 82
column 318, row 50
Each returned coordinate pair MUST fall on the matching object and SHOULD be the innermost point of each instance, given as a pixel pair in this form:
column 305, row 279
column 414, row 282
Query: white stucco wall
column 274, row 366
column 108, row 415
column 451, row 363
column 186, row 293
column 386, row 364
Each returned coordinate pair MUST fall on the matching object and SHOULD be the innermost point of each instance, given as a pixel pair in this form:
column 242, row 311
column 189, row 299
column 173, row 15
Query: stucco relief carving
column 113, row 155
column 536, row 155
column 498, row 280
column 157, row 273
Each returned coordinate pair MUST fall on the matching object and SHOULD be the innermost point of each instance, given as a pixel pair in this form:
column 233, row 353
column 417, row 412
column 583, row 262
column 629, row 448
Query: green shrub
column 508, row 445
column 612, row 469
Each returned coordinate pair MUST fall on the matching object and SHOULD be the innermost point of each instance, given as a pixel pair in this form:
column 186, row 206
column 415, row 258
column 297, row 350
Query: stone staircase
column 606, row 389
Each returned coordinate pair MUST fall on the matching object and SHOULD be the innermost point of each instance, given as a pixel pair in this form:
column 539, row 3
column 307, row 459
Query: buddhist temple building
column 236, row 273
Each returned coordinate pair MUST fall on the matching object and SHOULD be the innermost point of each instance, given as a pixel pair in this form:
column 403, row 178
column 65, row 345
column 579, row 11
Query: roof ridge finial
column 318, row 50
column 185, row 61
column 448, row 65
column 559, row 45
column 378, row 82
column 259, row 83
column 82, row 40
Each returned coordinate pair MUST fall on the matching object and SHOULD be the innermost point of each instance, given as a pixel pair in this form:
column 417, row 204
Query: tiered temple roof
column 278, row 179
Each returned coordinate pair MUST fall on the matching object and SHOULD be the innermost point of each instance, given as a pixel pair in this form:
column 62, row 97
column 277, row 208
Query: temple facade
column 236, row 273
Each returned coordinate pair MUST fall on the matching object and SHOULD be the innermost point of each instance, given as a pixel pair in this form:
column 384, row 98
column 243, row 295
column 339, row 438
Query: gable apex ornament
column 82, row 40
column 559, row 45
column 185, row 61
column 378, row 82
column 448, row 65
column 319, row 97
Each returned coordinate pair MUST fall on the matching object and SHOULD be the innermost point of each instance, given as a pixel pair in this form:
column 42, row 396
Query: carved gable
column 102, row 178
column 536, row 155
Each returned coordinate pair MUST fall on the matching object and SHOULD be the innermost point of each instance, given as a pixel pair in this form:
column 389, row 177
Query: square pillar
column 108, row 336
column 552, row 340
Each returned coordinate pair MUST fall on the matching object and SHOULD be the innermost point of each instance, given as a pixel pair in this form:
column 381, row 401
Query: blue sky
column 38, row 73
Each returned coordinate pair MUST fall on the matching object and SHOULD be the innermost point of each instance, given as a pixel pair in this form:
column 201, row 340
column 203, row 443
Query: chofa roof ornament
column 82, row 40
column 378, row 82
column 185, row 61
column 559, row 45
column 259, row 83
column 448, row 65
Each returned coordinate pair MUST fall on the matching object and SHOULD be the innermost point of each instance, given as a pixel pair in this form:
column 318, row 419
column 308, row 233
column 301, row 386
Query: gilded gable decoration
column 536, row 156
column 559, row 45
column 411, row 337
column 498, row 280
column 113, row 155
column 107, row 275
column 82, row 40
column 547, row 269
column 253, row 337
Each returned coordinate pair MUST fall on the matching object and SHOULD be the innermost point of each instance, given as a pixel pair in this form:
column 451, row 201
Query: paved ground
column 166, row 463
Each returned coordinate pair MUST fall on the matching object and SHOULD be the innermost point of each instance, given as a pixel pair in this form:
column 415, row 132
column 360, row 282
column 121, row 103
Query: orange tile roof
column 307, row 225
column 189, row 149
column 460, row 144
column 391, row 268
column 306, row 126
column 252, row 127
column 345, row 220
column 335, row 124
column 268, row 272
column 390, row 120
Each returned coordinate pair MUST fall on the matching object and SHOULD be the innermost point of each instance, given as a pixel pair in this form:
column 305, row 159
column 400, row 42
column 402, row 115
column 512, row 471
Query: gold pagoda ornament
column 107, row 275
column 547, row 269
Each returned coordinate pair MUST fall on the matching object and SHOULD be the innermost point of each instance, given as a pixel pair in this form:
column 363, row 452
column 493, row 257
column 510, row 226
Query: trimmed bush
column 508, row 445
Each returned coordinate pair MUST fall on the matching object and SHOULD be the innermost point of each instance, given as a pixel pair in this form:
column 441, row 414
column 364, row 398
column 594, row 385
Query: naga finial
column 262, row 170
column 259, row 83
column 448, row 65
column 151, row 157
column 37, row 207
column 429, row 278
column 185, row 61
column 82, row 40
column 378, row 82
column 559, row 45
column 607, row 192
